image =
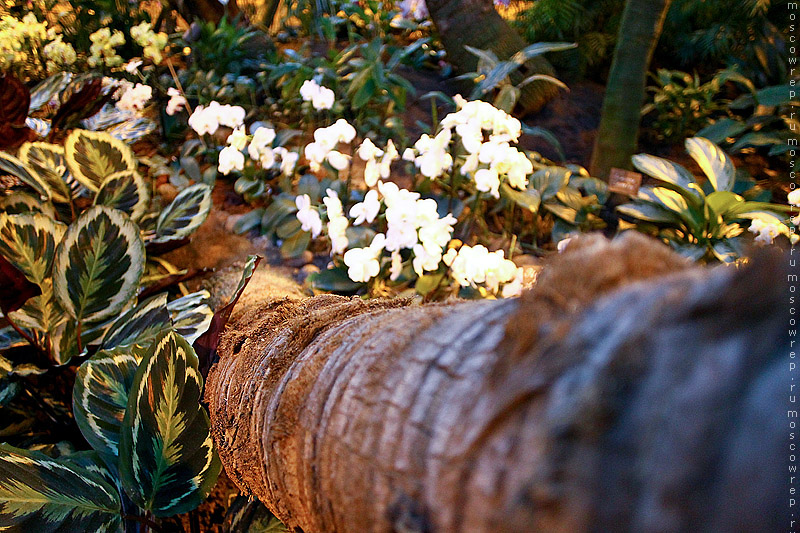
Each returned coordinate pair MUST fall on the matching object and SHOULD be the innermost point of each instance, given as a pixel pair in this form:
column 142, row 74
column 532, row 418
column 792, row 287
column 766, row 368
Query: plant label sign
column 624, row 181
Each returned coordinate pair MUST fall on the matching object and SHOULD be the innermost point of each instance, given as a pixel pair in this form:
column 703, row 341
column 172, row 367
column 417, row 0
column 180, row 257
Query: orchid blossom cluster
column 133, row 98
column 321, row 97
column 259, row 148
column 767, row 228
column 490, row 160
column 326, row 140
column 208, row 119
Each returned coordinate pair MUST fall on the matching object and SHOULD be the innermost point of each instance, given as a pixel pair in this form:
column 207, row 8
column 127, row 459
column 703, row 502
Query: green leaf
column 428, row 283
column 47, row 162
column 98, row 264
column 528, row 199
column 249, row 221
column 334, row 280
column 538, row 49
column 720, row 202
column 184, row 214
column 774, row 96
column 715, row 163
column 125, row 191
column 668, row 172
column 567, row 214
column 548, row 181
column 722, row 129
column 507, row 98
column 139, row 324
column 100, row 395
column 18, row 169
column 295, row 244
column 93, row 156
column 38, row 493
column 648, row 212
column 167, row 460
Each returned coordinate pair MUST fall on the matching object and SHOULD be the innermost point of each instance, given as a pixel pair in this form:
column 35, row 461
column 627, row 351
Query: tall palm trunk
column 639, row 31
column 476, row 23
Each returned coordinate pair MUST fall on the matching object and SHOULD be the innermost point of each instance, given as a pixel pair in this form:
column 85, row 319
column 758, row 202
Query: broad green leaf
column 721, row 202
column 775, row 95
column 563, row 212
column 668, row 172
column 649, row 213
column 184, row 214
column 715, row 163
column 507, row 98
column 167, row 460
column 41, row 494
column 18, row 169
column 528, row 199
column 722, row 129
column 125, row 191
column 548, row 181
column 427, row 283
column 538, row 49
column 139, row 324
column 100, row 395
column 98, row 264
column 93, row 156
column 47, row 162
column 334, row 280
column 295, row 244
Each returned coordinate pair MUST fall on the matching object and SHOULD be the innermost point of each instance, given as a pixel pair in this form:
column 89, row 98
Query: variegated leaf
column 98, row 264
column 191, row 315
column 668, row 172
column 40, row 126
column 133, row 129
column 47, row 160
column 93, row 156
column 141, row 323
column 714, row 162
column 184, row 214
column 126, row 191
column 29, row 243
column 11, row 165
column 38, row 493
column 167, row 460
column 23, row 202
column 100, row 395
column 48, row 90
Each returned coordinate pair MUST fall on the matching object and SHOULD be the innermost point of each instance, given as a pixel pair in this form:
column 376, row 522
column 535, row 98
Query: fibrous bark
column 578, row 407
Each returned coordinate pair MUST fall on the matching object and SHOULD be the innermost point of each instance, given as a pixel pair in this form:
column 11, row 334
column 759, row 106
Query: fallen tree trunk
column 578, row 407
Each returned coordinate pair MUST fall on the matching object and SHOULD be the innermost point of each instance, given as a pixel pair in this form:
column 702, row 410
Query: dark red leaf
column 15, row 289
column 15, row 99
column 80, row 100
column 206, row 344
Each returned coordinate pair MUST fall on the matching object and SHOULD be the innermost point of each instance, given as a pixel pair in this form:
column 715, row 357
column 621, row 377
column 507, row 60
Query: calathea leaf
column 29, row 242
column 167, row 459
column 47, row 161
column 23, row 202
column 48, row 90
column 81, row 98
column 141, row 323
column 100, row 395
column 184, row 214
column 94, row 156
column 125, row 191
column 98, row 264
column 18, row 169
column 191, row 315
column 38, row 493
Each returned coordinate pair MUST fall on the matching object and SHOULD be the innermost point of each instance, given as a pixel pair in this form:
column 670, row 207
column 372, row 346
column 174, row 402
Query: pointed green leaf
column 715, row 163
column 38, row 493
column 184, row 214
column 47, row 162
column 548, row 181
column 668, row 172
column 528, row 199
column 29, row 243
column 167, row 460
column 18, row 169
column 649, row 213
column 100, row 395
column 140, row 324
column 126, row 191
column 98, row 264
column 93, row 156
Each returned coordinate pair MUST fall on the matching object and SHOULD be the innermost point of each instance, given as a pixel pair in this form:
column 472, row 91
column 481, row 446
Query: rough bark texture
column 477, row 24
column 581, row 406
column 618, row 133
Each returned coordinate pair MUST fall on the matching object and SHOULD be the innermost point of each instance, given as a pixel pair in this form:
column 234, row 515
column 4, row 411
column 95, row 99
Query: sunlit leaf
column 94, row 156
column 184, row 214
column 715, row 163
column 126, row 191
